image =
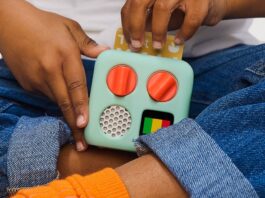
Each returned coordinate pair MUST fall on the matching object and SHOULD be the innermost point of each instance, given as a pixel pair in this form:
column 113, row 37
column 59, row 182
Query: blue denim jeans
column 32, row 131
column 218, row 153
column 222, row 151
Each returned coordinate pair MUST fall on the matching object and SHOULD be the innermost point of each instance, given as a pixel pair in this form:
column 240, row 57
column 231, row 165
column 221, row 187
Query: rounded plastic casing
column 142, row 83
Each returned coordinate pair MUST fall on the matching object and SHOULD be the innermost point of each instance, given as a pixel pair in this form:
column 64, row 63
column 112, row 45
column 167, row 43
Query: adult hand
column 43, row 52
column 162, row 15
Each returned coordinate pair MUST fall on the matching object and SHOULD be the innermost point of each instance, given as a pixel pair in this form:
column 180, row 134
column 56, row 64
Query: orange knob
column 162, row 86
column 121, row 80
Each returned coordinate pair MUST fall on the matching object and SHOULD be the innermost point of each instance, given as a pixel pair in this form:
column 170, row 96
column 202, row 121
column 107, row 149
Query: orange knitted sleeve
column 102, row 184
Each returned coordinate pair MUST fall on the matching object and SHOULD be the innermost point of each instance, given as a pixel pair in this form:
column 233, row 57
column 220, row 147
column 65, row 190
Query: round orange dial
column 121, row 80
column 162, row 86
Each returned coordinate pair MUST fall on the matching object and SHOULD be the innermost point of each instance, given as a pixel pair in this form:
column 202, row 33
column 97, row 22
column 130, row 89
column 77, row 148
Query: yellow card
column 170, row 49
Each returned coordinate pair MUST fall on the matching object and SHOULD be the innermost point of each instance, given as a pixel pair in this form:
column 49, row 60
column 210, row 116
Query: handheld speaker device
column 134, row 94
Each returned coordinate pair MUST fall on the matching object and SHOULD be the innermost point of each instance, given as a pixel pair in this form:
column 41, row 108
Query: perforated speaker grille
column 115, row 121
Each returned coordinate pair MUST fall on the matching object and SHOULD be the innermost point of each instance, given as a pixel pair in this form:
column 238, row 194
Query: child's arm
column 43, row 52
column 188, row 15
column 244, row 9
column 144, row 177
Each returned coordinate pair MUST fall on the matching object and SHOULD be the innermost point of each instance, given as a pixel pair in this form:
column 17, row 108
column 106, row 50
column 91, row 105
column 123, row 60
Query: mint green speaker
column 134, row 94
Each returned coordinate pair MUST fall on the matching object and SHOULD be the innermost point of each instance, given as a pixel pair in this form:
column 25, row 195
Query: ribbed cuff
column 197, row 161
column 105, row 183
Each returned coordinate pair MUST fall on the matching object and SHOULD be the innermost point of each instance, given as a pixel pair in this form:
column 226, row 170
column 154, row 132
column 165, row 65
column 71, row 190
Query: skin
column 71, row 161
column 43, row 51
column 47, row 60
column 188, row 15
column 147, row 177
column 159, row 16
column 135, row 173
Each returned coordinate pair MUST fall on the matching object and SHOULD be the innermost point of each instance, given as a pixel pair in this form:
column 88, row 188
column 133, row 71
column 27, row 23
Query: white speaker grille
column 115, row 121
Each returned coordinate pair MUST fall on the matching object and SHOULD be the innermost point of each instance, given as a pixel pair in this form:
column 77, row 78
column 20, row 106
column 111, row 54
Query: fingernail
column 132, row 48
column 157, row 45
column 80, row 146
column 80, row 122
column 136, row 43
column 179, row 40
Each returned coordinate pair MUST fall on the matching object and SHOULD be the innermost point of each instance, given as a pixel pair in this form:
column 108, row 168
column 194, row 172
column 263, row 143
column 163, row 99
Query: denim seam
column 205, row 102
column 5, row 107
column 257, row 71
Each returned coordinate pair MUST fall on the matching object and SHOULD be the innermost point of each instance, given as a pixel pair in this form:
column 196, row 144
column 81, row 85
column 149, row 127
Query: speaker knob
column 121, row 80
column 162, row 86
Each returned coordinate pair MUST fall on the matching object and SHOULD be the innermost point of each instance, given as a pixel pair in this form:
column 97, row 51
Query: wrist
column 236, row 9
column 227, row 9
column 230, row 9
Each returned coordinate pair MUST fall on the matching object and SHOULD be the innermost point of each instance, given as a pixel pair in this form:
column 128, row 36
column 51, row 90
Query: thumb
column 87, row 46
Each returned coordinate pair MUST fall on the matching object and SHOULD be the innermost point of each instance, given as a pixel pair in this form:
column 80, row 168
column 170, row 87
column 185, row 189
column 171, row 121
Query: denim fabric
column 31, row 132
column 7, row 124
column 39, row 155
column 220, row 73
column 230, row 91
column 200, row 165
column 204, row 163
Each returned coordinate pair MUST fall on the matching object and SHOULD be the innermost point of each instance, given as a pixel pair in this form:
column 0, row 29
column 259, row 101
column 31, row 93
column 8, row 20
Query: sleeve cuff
column 105, row 183
column 33, row 151
column 196, row 161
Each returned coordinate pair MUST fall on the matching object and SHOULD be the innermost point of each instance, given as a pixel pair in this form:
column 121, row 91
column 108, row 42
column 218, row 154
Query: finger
column 161, row 17
column 125, row 14
column 87, row 46
column 194, row 17
column 74, row 75
column 58, row 87
column 137, row 21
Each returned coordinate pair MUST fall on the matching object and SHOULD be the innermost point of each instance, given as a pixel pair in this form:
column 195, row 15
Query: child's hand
column 161, row 15
column 43, row 51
